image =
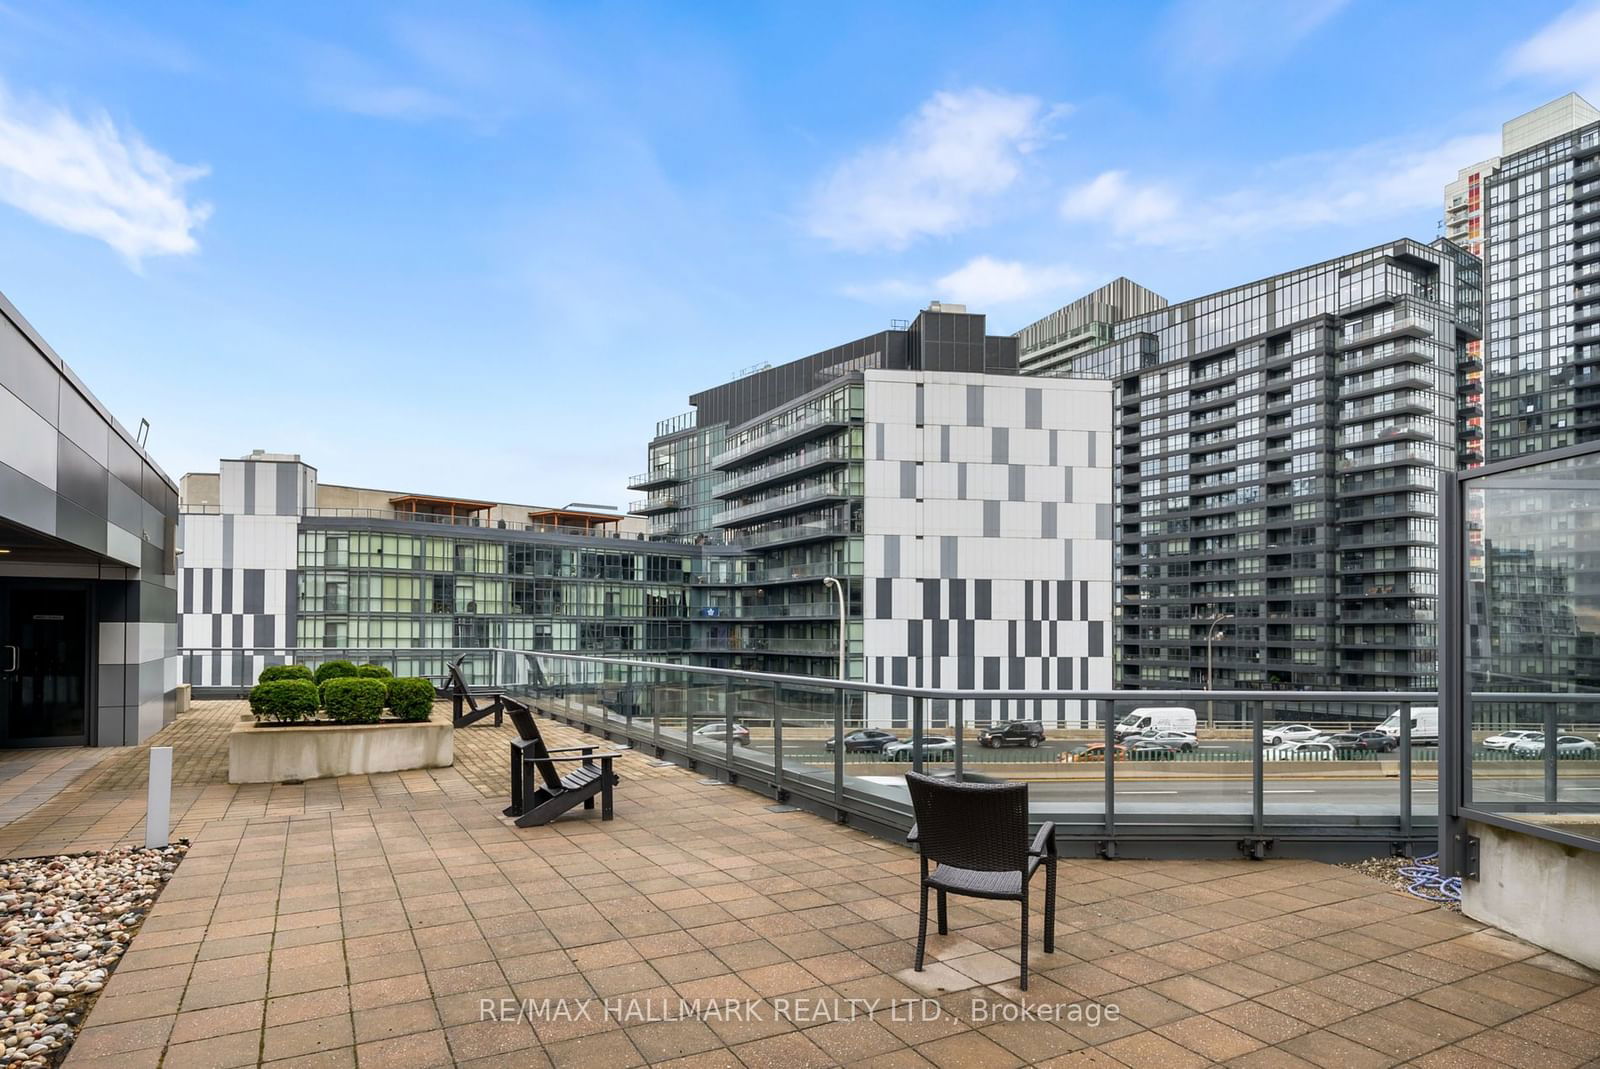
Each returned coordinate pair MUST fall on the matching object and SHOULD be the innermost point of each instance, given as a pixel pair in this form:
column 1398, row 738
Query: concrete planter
column 1547, row 893
column 258, row 754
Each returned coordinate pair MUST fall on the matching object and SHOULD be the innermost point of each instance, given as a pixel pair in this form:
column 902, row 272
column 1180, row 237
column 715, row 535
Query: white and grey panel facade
column 88, row 594
column 237, row 587
column 987, row 520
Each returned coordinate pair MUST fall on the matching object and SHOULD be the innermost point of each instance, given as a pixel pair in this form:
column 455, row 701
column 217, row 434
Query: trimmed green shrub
column 275, row 672
column 284, row 699
column 411, row 699
column 352, row 700
column 373, row 671
column 334, row 670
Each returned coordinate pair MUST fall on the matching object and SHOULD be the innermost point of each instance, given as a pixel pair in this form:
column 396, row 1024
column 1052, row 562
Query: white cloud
column 1382, row 182
column 960, row 150
column 981, row 283
column 1128, row 209
column 1201, row 39
column 1567, row 50
column 89, row 177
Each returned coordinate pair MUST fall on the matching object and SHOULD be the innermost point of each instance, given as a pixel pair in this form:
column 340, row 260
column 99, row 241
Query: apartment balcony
column 802, row 610
column 1585, row 192
column 779, row 504
column 1426, row 457
column 1405, row 352
column 1586, row 171
column 1370, row 562
column 656, row 504
column 1400, row 432
column 1587, row 210
column 1585, row 254
column 805, row 572
column 1420, row 479
column 809, row 425
column 655, row 480
column 1587, row 273
column 1358, row 613
column 818, row 458
column 1585, row 314
column 1401, row 327
column 1412, row 403
column 1366, row 386
column 1469, row 363
column 781, row 534
column 1214, row 419
column 1404, row 536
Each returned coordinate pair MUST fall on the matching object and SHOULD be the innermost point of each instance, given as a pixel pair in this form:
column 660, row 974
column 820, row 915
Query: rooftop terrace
column 368, row 921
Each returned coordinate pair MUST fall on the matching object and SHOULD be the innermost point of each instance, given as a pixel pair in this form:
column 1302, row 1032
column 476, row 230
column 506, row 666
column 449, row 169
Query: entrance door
column 44, row 666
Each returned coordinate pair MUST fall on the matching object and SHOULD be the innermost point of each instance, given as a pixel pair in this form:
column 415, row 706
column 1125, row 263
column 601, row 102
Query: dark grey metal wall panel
column 80, row 480
column 25, row 502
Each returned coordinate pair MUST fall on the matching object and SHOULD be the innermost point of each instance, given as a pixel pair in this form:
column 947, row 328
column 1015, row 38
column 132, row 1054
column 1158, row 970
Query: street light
column 1213, row 633
column 838, row 588
column 838, row 713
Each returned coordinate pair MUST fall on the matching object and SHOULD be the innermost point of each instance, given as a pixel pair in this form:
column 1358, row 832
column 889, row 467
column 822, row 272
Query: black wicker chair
column 977, row 836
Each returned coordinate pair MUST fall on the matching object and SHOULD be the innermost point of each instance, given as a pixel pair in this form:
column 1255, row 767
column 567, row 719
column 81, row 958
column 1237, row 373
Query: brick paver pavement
column 368, row 922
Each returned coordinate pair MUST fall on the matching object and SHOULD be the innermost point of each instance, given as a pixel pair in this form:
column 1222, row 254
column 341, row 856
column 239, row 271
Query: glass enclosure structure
column 1529, row 691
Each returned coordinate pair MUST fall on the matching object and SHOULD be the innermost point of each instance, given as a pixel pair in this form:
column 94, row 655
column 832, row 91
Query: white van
column 1424, row 724
column 1156, row 718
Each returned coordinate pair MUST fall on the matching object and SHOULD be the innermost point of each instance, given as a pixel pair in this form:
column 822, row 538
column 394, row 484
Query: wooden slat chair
column 976, row 834
column 535, row 802
column 464, row 707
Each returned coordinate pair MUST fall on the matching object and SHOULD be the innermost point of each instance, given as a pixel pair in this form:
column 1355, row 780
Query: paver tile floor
column 399, row 920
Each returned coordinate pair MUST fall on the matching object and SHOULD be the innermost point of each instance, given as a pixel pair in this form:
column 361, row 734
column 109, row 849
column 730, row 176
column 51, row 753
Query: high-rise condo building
column 965, row 511
column 1533, row 213
column 1279, row 449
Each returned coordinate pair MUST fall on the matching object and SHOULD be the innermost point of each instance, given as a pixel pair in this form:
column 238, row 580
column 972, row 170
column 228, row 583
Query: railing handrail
column 1148, row 697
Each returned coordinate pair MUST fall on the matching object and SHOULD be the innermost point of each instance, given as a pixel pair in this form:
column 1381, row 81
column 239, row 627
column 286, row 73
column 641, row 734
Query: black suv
column 1016, row 733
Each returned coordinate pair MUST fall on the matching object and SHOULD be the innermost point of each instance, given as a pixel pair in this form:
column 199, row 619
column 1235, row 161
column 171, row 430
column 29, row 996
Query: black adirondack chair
column 539, row 791
column 976, row 834
column 464, row 707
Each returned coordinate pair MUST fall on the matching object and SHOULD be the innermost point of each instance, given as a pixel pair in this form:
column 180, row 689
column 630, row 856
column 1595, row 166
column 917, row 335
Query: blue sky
column 480, row 249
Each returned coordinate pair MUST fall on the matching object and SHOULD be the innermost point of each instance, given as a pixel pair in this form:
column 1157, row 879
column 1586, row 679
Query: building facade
column 964, row 512
column 1533, row 215
column 1052, row 345
column 88, row 606
column 1279, row 450
column 276, row 561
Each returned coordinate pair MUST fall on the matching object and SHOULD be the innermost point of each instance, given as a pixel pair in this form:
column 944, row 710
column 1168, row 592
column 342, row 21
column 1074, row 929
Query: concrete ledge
column 1545, row 892
column 259, row 754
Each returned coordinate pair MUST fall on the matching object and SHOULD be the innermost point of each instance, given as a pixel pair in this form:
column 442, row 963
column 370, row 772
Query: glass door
column 44, row 666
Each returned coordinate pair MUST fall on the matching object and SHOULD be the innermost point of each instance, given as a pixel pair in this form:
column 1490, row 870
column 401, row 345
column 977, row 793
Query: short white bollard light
column 158, row 808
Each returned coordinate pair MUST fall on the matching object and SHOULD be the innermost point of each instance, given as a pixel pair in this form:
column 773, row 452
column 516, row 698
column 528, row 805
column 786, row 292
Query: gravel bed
column 1388, row 869
column 64, row 923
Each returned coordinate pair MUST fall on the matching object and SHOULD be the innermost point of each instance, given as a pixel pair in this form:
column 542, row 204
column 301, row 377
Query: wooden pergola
column 453, row 507
column 573, row 519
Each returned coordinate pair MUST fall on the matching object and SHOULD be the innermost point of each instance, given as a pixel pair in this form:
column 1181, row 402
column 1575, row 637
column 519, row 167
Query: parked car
column 1156, row 718
column 867, row 740
column 1299, row 751
column 1183, row 742
column 1146, row 749
column 717, row 732
column 1507, row 739
column 1028, row 733
column 934, row 748
column 1566, row 746
column 1283, row 733
column 1375, row 741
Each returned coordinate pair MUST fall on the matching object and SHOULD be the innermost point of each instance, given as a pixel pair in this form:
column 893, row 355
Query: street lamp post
column 838, row 588
column 838, row 713
column 1213, row 633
